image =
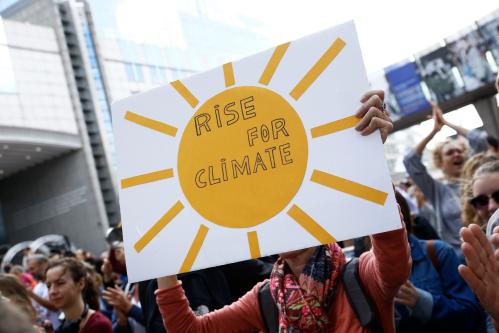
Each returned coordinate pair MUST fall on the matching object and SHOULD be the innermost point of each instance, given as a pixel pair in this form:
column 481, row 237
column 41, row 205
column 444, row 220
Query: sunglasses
column 482, row 200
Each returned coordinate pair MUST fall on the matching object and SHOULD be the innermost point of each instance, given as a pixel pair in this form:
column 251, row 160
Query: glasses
column 482, row 200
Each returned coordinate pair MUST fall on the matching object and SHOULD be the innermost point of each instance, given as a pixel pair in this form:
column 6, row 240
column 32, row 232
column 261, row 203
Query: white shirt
column 42, row 290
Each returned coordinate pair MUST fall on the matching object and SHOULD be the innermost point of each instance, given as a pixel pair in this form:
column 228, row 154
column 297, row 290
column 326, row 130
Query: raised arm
column 438, row 123
column 241, row 316
column 415, row 167
column 387, row 266
column 42, row 301
column 437, row 112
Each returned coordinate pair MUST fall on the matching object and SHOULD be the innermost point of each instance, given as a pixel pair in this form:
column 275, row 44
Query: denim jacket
column 446, row 303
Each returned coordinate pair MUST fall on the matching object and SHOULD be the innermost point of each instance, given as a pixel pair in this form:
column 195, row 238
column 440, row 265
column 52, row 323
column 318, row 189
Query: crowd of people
column 437, row 273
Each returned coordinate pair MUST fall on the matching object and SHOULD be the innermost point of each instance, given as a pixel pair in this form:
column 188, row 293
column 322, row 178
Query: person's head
column 13, row 289
column 469, row 214
column 13, row 320
column 449, row 156
column 17, row 271
column 117, row 258
column 37, row 265
column 493, row 145
column 485, row 190
column 68, row 282
column 7, row 267
column 119, row 253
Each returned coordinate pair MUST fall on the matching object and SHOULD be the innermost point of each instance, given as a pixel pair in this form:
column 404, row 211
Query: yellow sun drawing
column 243, row 156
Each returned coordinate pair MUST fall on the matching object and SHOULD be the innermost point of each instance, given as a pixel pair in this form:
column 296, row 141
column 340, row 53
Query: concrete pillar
column 489, row 112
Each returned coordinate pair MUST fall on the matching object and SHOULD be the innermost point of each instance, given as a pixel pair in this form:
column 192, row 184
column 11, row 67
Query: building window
column 162, row 74
column 139, row 76
column 129, row 72
column 153, row 72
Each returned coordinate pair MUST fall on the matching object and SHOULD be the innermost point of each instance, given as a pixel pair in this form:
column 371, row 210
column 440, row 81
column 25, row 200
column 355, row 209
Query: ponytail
column 90, row 293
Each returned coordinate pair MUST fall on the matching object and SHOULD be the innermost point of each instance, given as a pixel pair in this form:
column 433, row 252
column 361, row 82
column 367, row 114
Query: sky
column 389, row 31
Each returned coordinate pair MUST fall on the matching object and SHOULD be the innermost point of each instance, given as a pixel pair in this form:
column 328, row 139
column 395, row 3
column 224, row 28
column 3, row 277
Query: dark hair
column 406, row 211
column 492, row 141
column 79, row 271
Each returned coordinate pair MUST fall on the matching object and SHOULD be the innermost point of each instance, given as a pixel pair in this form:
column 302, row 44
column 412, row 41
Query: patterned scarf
column 304, row 302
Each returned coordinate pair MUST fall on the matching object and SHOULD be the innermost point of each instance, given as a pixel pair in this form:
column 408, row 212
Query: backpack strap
column 358, row 298
column 433, row 255
column 268, row 308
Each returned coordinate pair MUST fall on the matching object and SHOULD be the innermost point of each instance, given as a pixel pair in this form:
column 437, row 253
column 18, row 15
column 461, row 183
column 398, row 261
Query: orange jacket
column 382, row 271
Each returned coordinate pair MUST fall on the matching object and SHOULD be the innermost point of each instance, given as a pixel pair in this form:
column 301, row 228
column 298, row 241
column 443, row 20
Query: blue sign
column 405, row 85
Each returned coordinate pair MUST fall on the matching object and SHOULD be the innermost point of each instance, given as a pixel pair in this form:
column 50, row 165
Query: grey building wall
column 66, row 18
column 54, row 197
column 66, row 195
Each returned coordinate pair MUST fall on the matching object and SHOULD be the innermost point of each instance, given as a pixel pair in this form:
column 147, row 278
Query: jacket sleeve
column 241, row 316
column 456, row 309
column 136, row 313
column 416, row 169
column 387, row 266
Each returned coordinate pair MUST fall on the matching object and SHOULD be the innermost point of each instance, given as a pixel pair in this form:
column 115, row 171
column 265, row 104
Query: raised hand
column 373, row 115
column 481, row 272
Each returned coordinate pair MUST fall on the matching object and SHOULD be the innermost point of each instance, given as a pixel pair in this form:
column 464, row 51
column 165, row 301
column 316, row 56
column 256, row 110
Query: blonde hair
column 439, row 147
column 468, row 214
column 14, row 290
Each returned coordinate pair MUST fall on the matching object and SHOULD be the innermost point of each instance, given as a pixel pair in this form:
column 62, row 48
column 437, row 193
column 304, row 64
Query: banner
column 405, row 85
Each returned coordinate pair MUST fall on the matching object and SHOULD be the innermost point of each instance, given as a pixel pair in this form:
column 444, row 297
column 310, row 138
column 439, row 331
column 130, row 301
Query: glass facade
column 6, row 3
column 157, row 45
column 101, row 91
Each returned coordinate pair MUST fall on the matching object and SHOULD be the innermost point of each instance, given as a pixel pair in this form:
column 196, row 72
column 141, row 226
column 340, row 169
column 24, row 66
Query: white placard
column 252, row 158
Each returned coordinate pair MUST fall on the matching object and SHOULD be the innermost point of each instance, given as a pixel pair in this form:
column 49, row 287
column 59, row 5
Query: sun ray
column 229, row 74
column 273, row 63
column 185, row 93
column 146, row 178
column 194, row 249
column 318, row 68
column 151, row 123
column 158, row 226
column 334, row 126
column 309, row 224
column 254, row 245
column 349, row 187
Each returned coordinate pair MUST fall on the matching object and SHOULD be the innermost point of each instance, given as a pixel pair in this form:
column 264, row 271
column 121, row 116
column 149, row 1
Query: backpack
column 433, row 255
column 357, row 297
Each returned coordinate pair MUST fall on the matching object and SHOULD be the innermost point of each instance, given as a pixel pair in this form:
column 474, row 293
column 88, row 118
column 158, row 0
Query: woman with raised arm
column 307, row 287
column 449, row 156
